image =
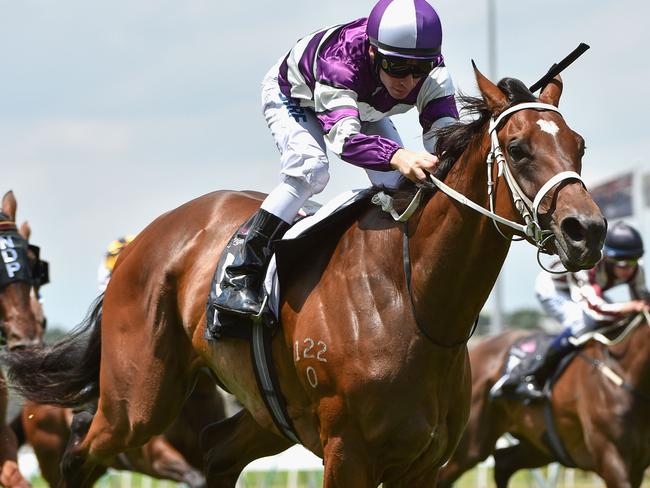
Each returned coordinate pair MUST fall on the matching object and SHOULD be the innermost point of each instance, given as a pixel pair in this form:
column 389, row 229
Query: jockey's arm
column 596, row 305
column 590, row 295
column 638, row 288
column 342, row 126
column 338, row 113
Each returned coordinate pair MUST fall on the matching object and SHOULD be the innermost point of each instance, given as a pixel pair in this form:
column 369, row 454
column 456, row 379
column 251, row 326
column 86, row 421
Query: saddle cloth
column 219, row 324
column 525, row 353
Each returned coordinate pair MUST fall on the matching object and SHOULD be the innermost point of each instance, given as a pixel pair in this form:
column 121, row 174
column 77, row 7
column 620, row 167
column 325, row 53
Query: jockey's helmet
column 408, row 29
column 115, row 248
column 623, row 242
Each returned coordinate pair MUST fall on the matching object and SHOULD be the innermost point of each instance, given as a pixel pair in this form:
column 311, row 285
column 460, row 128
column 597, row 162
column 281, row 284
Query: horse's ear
column 25, row 230
column 495, row 99
column 9, row 205
column 552, row 92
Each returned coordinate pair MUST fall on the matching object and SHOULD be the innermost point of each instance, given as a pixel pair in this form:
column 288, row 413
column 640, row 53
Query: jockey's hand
column 637, row 306
column 414, row 165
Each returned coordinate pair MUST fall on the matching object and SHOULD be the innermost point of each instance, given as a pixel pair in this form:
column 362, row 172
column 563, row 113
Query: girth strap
column 267, row 379
column 553, row 439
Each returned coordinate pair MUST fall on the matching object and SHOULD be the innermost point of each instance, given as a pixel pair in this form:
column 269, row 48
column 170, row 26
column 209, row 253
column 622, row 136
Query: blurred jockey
column 335, row 90
column 106, row 266
column 577, row 302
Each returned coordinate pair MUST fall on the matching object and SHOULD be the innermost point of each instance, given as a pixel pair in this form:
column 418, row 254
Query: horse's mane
column 453, row 139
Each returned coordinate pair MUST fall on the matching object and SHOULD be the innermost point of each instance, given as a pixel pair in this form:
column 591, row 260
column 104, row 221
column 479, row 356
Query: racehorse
column 374, row 370
column 600, row 408
column 47, row 429
column 21, row 275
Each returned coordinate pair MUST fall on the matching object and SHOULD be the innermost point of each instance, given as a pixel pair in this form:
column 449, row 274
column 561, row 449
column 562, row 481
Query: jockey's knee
column 311, row 176
column 319, row 181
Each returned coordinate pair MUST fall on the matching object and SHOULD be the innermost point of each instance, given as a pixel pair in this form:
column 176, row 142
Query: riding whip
column 557, row 68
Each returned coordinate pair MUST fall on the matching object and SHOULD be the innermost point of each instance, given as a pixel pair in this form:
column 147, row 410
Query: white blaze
column 548, row 126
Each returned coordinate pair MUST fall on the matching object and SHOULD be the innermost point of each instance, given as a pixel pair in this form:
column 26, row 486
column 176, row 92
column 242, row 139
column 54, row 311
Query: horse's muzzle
column 580, row 239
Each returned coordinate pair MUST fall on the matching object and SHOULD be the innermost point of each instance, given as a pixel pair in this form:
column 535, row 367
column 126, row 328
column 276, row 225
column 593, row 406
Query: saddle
column 313, row 236
column 527, row 353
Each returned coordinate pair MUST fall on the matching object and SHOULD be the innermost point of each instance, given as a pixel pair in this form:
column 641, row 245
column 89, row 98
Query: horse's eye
column 517, row 152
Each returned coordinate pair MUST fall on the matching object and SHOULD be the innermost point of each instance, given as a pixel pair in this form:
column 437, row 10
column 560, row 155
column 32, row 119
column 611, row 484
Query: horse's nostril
column 573, row 229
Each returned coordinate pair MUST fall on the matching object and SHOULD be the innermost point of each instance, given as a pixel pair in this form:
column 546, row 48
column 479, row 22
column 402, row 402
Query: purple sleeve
column 437, row 109
column 371, row 152
column 329, row 119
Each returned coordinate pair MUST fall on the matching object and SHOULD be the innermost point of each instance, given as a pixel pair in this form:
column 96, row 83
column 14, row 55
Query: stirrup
column 529, row 389
column 497, row 388
column 241, row 313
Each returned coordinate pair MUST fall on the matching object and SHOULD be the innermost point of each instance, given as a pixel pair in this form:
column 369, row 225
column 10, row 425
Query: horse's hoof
column 194, row 479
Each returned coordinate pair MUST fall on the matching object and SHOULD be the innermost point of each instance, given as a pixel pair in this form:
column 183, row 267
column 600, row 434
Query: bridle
column 527, row 208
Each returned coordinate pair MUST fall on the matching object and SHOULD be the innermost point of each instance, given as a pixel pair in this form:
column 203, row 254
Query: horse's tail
column 65, row 373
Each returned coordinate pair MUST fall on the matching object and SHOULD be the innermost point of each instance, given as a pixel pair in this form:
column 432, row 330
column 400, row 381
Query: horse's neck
column 634, row 357
column 457, row 253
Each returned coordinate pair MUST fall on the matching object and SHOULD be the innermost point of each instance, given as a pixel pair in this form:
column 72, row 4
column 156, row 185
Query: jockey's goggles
column 401, row 67
column 624, row 263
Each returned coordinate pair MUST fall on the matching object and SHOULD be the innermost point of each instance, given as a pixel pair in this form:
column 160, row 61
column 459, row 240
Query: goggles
column 624, row 263
column 402, row 67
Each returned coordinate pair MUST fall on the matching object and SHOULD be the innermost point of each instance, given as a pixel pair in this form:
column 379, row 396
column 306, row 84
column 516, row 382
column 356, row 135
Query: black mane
column 453, row 139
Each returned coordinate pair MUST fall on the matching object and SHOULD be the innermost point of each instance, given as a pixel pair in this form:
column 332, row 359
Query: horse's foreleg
column 231, row 444
column 511, row 459
column 346, row 465
column 476, row 444
column 428, row 479
column 9, row 474
column 612, row 468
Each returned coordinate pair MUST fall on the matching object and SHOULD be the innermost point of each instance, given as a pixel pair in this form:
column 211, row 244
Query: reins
column 527, row 208
column 603, row 368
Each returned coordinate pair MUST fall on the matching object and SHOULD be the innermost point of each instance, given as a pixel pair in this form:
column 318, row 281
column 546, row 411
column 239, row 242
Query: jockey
column 105, row 269
column 577, row 301
column 336, row 89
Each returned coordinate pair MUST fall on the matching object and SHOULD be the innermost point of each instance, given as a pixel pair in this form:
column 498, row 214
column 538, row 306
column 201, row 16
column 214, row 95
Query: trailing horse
column 599, row 406
column 22, row 273
column 372, row 361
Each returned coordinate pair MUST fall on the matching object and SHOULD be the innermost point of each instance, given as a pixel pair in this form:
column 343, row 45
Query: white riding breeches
column 559, row 305
column 304, row 165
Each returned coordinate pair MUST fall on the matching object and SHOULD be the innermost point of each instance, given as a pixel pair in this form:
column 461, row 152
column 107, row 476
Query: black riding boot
column 535, row 379
column 251, row 247
column 531, row 383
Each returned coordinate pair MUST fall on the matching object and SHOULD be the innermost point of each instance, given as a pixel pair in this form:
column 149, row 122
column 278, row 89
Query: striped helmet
column 406, row 29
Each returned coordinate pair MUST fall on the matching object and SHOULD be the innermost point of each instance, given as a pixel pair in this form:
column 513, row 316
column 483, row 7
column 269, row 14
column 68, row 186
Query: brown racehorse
column 603, row 426
column 375, row 372
column 18, row 324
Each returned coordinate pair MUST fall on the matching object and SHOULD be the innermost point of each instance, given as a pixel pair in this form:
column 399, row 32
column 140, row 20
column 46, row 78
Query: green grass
column 279, row 479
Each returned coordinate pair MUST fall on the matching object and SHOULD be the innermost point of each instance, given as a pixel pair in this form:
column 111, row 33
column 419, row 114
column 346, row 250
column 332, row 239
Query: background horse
column 603, row 426
column 373, row 365
column 19, row 325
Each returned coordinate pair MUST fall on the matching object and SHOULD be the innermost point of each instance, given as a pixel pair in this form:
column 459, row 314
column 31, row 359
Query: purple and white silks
column 409, row 28
column 331, row 73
